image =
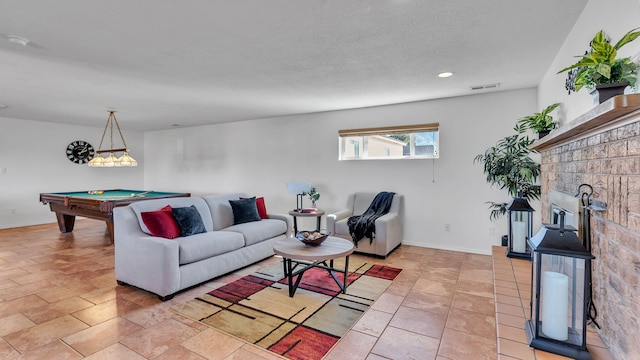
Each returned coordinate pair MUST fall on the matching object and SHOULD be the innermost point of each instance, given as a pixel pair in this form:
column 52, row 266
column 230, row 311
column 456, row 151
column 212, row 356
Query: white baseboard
column 450, row 248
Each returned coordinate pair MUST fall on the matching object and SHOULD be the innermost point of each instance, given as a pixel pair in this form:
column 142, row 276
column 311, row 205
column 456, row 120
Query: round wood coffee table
column 294, row 252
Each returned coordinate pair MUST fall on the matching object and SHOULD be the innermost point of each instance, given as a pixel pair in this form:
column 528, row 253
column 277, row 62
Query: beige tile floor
column 59, row 300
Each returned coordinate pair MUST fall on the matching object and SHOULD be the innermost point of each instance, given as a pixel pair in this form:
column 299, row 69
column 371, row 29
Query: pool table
column 96, row 204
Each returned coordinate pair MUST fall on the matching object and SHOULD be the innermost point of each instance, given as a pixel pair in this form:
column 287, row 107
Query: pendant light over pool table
column 111, row 160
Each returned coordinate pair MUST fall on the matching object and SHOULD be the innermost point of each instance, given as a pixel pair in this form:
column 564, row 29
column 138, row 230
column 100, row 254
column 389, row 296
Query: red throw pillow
column 262, row 208
column 161, row 223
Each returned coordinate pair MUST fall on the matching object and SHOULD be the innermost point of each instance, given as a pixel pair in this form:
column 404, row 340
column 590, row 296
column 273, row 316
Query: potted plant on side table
column 314, row 196
column 600, row 70
column 541, row 122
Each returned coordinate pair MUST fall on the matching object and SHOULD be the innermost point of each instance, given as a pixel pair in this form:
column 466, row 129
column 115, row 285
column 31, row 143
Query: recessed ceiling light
column 445, row 74
column 18, row 40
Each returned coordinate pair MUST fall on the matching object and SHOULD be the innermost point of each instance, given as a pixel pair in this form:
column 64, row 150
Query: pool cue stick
column 141, row 194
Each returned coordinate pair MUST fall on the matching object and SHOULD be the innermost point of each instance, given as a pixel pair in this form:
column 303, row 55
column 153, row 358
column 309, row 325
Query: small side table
column 295, row 214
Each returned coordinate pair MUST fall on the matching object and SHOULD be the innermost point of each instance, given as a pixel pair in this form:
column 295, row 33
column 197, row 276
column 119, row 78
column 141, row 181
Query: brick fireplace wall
column 609, row 160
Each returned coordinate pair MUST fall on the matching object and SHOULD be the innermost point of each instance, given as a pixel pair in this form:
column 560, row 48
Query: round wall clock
column 80, row 152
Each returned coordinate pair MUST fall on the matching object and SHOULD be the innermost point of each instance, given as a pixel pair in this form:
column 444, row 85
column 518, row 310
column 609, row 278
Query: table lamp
column 298, row 188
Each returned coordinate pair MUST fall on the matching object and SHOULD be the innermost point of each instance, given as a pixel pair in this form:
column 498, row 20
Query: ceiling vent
column 488, row 86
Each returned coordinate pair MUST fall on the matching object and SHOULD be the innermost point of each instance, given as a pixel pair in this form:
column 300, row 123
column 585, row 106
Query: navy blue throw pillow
column 189, row 220
column 244, row 210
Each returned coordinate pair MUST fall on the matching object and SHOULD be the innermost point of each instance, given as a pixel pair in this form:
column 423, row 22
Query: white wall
column 260, row 156
column 33, row 154
column 616, row 18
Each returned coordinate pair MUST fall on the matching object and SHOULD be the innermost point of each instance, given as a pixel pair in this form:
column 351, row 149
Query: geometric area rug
column 257, row 308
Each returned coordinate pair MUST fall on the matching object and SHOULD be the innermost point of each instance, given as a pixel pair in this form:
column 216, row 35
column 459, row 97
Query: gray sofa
column 389, row 227
column 166, row 266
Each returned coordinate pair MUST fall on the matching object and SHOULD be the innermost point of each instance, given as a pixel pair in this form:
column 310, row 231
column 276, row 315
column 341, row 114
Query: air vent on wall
column 488, row 86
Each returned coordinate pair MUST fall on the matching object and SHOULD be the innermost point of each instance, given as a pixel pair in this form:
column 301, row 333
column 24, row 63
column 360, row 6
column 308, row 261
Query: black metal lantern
column 519, row 216
column 559, row 292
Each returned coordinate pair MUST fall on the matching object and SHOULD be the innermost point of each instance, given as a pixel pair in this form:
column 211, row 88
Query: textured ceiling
column 193, row 62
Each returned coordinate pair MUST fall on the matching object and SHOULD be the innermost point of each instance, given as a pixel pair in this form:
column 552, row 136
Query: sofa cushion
column 139, row 207
column 205, row 245
column 257, row 231
column 189, row 220
column 161, row 223
column 244, row 210
column 220, row 209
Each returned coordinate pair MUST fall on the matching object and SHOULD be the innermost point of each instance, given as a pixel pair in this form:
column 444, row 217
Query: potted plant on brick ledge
column 541, row 122
column 599, row 69
column 509, row 166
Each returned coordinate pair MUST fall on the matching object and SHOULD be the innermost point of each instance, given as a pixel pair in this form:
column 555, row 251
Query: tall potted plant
column 599, row 69
column 541, row 122
column 509, row 166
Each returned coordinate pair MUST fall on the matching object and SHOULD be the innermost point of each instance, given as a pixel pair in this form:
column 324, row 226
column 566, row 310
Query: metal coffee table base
column 291, row 270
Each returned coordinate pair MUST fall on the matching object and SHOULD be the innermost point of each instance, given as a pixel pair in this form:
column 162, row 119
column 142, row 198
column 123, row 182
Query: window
column 393, row 142
column 355, row 151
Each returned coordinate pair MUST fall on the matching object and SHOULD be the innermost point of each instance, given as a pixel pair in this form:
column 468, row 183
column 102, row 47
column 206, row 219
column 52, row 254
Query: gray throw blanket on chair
column 361, row 226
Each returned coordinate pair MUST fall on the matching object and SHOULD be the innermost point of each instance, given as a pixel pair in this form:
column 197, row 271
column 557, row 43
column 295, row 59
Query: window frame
column 380, row 132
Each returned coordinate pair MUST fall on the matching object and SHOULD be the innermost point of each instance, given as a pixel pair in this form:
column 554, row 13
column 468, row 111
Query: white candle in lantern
column 555, row 305
column 519, row 236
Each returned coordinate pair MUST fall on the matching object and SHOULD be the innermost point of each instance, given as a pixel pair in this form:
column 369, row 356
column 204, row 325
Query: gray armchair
column 388, row 233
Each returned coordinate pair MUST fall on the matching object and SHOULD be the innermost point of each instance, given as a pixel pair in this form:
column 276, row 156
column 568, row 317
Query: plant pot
column 605, row 92
column 543, row 133
column 505, row 240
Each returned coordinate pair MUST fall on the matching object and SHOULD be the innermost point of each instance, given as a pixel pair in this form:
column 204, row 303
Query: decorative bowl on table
column 311, row 238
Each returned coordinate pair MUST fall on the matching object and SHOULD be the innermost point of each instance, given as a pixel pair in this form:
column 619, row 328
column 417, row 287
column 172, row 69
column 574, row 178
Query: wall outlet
column 447, row 227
